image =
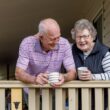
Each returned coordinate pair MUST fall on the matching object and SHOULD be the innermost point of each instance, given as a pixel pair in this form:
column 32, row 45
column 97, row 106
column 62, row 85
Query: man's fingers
column 43, row 78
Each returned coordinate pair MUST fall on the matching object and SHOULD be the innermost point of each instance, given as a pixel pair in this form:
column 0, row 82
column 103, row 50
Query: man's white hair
column 46, row 24
column 73, row 33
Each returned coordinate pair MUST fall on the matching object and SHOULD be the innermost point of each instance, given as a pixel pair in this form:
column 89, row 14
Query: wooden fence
column 65, row 97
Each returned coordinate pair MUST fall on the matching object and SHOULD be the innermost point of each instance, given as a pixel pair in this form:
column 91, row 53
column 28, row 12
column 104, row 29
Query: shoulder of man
column 63, row 40
column 30, row 40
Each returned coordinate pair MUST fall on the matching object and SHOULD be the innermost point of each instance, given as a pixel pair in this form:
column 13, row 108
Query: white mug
column 53, row 77
column 82, row 70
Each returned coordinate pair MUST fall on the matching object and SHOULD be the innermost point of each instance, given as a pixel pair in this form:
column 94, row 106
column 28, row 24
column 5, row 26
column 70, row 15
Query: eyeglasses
column 83, row 36
column 53, row 39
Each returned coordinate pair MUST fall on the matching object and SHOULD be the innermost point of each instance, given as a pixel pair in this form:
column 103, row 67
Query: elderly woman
column 89, row 52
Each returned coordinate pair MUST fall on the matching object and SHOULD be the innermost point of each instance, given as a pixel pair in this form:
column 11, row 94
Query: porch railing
column 57, row 97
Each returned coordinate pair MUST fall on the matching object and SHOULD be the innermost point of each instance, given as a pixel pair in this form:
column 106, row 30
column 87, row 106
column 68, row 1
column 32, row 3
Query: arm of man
column 69, row 65
column 70, row 75
column 22, row 65
column 21, row 75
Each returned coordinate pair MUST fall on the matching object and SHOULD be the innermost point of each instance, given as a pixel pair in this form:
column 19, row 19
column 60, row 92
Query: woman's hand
column 87, row 75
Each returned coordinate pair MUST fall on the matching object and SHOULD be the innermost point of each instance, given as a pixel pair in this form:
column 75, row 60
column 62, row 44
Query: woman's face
column 84, row 40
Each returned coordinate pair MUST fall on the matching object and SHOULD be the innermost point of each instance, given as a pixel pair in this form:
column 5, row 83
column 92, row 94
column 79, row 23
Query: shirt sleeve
column 68, row 60
column 23, row 58
column 106, row 68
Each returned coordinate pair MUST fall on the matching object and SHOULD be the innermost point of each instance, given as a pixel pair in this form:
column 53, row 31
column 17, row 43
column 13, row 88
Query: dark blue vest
column 94, row 64
column 94, row 60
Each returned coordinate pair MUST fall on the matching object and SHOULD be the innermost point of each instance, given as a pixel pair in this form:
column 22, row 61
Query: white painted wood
column 99, row 99
column 86, row 99
column 46, row 104
column 2, row 99
column 34, row 99
column 73, row 99
column 71, row 84
column 108, row 98
column 16, row 99
column 59, row 99
column 59, row 93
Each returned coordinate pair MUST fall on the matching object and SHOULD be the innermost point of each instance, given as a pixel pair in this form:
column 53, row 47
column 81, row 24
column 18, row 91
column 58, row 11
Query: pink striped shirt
column 34, row 60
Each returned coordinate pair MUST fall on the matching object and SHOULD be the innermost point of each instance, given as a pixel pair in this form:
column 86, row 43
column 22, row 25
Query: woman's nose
column 82, row 39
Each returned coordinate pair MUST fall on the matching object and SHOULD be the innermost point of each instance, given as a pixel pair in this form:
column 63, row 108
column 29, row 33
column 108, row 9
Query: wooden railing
column 55, row 99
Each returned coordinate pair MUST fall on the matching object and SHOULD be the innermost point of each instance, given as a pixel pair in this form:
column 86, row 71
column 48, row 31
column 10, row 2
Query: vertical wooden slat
column 108, row 98
column 2, row 99
column 59, row 105
column 86, row 100
column 16, row 99
column 46, row 104
column 34, row 99
column 73, row 99
column 99, row 99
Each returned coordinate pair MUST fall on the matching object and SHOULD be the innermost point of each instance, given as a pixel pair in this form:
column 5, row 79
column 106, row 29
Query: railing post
column 2, row 99
column 86, row 99
column 73, row 99
column 108, row 98
column 34, row 99
column 59, row 102
column 46, row 99
column 99, row 99
column 16, row 99
column 34, row 95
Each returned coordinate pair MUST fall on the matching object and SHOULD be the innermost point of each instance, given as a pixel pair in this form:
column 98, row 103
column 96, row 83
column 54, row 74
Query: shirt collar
column 38, row 47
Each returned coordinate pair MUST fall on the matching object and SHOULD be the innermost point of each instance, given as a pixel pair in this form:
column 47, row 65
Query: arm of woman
column 106, row 68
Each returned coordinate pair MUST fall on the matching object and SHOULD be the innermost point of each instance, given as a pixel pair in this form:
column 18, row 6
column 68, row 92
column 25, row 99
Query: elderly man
column 43, row 53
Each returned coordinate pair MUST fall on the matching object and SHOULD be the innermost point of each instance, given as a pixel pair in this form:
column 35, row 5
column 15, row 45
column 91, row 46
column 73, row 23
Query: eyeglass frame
column 83, row 36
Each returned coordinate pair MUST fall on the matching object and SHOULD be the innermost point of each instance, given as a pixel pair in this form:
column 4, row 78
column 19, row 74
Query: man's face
column 50, row 39
column 84, row 40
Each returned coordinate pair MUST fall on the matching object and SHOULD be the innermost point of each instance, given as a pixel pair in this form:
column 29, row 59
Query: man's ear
column 40, row 37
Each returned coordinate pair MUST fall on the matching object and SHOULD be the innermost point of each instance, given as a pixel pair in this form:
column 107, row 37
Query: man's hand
column 42, row 79
column 61, row 81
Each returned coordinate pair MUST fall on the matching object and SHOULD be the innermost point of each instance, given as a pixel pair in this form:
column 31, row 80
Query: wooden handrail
column 71, row 84
column 68, row 90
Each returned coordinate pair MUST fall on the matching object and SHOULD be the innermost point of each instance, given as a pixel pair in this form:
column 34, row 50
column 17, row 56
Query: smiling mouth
column 82, row 44
column 52, row 45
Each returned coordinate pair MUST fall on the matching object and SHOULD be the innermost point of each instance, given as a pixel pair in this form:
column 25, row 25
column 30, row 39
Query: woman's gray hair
column 82, row 24
column 46, row 24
